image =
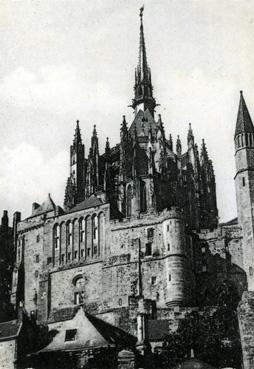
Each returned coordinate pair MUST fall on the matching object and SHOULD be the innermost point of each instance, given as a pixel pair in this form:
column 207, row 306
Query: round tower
column 177, row 267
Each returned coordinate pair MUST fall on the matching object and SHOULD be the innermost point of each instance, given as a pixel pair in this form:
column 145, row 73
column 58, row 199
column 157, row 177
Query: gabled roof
column 91, row 333
column 143, row 122
column 90, row 202
column 244, row 122
column 9, row 330
column 47, row 206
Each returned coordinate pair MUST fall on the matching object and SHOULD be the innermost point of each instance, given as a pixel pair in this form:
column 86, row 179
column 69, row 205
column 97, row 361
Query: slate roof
column 9, row 330
column 157, row 329
column 244, row 122
column 47, row 206
column 194, row 364
column 90, row 202
column 233, row 221
column 92, row 333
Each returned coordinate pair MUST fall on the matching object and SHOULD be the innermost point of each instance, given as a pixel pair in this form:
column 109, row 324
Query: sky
column 68, row 60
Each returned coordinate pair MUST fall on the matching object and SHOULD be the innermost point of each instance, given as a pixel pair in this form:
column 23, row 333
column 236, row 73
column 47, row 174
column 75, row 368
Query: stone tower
column 244, row 183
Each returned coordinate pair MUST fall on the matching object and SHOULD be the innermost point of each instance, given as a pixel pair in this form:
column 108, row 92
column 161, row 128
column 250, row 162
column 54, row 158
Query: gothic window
column 69, row 233
column 169, row 277
column 56, row 236
column 247, row 139
column 36, row 274
column 120, row 302
column 88, row 235
column 49, row 260
column 143, row 203
column 153, row 280
column 243, row 181
column 95, row 227
column 251, row 271
column 82, row 253
column 148, row 251
column 82, row 230
column 150, row 232
column 168, row 246
column 167, row 227
column 140, row 91
column 38, row 238
column 75, row 255
column 62, row 258
column 70, row 334
column 77, row 298
column 37, row 258
column 129, row 196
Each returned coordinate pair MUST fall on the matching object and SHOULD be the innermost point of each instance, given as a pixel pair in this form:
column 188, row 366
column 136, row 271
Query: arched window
column 82, row 225
column 95, row 233
column 251, row 271
column 128, row 202
column 95, row 228
column 101, row 232
column 88, row 235
column 56, row 237
column 143, row 203
column 69, row 229
column 79, row 285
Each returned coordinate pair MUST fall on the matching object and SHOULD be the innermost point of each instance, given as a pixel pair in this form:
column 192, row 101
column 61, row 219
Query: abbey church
column 137, row 243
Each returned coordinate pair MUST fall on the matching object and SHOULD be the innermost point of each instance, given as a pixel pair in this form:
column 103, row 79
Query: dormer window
column 70, row 334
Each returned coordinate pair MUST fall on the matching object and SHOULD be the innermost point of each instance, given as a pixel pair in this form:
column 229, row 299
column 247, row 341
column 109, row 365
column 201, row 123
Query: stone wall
column 8, row 354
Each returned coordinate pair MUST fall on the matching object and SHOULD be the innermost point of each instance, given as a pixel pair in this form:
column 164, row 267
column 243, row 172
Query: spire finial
column 141, row 12
column 241, row 92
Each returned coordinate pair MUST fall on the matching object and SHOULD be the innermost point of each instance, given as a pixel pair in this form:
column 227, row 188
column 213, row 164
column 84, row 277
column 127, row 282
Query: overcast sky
column 68, row 60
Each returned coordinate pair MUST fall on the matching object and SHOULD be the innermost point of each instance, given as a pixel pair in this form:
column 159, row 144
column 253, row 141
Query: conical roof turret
column 244, row 123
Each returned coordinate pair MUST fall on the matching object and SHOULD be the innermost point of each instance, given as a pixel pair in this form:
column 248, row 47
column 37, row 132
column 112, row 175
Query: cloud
column 56, row 88
column 26, row 176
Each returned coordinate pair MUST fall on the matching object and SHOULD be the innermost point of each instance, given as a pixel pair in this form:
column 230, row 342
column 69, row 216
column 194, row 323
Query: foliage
column 212, row 334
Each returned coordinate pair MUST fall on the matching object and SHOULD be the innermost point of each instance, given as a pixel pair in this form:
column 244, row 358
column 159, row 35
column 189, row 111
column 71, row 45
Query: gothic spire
column 142, row 68
column 244, row 123
column 143, row 89
column 77, row 135
column 190, row 137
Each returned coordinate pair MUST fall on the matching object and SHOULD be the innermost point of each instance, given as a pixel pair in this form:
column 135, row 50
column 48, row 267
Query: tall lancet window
column 69, row 228
column 56, row 236
column 82, row 225
column 143, row 203
column 128, row 200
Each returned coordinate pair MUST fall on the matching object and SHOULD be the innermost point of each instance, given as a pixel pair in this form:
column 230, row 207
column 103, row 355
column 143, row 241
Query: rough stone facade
column 8, row 354
column 138, row 237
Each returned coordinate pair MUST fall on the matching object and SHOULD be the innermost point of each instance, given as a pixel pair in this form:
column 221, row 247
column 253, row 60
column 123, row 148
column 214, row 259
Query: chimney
column 35, row 206
column 5, row 219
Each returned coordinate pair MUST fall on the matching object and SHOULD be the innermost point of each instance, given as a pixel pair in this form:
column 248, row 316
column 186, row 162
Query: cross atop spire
column 143, row 89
